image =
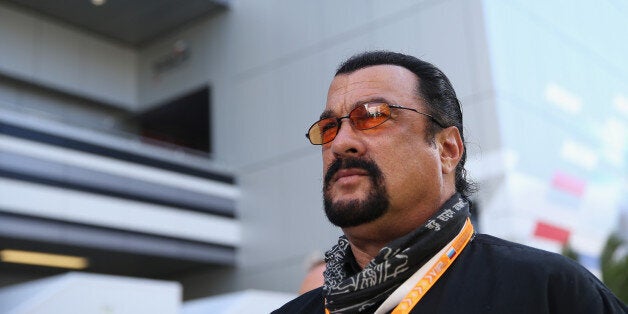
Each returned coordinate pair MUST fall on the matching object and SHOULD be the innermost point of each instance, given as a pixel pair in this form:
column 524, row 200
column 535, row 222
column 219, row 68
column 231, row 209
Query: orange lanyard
column 435, row 270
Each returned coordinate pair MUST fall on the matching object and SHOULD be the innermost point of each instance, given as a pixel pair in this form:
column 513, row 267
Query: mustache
column 352, row 162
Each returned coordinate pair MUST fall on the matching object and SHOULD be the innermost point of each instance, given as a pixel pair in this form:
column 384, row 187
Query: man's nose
column 348, row 141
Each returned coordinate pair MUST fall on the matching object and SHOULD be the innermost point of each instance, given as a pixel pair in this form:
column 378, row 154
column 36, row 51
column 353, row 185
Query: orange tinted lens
column 369, row 115
column 323, row 131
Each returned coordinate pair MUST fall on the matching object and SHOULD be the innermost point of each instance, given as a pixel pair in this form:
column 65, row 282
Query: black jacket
column 496, row 276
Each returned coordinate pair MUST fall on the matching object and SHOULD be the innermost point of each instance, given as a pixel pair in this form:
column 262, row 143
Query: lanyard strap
column 436, row 269
column 399, row 294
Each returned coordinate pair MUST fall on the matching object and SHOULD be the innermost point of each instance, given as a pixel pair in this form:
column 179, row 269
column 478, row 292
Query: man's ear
column 450, row 148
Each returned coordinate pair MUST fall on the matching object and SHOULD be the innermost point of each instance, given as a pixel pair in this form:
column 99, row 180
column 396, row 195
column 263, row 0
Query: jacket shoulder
column 550, row 279
column 529, row 262
column 507, row 250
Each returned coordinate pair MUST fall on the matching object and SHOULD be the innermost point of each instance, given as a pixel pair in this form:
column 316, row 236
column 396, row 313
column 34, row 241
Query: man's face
column 386, row 174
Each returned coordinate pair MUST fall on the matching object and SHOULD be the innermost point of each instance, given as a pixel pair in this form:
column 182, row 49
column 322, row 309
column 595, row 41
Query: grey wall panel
column 68, row 176
column 45, row 52
column 130, row 150
column 52, row 232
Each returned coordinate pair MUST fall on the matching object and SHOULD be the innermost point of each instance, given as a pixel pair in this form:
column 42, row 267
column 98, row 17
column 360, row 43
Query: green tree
column 615, row 267
column 569, row 252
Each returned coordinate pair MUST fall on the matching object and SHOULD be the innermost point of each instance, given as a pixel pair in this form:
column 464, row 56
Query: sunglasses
column 362, row 117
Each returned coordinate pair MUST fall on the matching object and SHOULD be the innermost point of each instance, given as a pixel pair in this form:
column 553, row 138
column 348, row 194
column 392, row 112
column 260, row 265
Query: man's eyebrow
column 326, row 114
column 329, row 114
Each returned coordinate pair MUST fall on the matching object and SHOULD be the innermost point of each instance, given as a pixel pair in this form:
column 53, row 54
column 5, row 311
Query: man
column 394, row 181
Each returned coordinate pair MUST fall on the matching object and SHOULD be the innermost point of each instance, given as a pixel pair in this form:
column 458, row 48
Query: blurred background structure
column 164, row 139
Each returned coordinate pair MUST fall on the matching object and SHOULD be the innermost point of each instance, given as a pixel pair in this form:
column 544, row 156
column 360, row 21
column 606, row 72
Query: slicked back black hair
column 434, row 89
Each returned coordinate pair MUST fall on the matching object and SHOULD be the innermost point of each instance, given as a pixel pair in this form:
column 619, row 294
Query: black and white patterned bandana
column 364, row 291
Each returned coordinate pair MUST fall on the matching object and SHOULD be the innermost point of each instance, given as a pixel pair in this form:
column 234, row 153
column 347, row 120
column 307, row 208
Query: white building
column 85, row 92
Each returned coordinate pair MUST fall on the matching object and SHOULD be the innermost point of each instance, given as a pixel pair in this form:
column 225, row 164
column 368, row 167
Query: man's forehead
column 376, row 82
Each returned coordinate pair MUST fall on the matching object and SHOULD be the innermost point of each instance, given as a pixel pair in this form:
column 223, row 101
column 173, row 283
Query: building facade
column 98, row 160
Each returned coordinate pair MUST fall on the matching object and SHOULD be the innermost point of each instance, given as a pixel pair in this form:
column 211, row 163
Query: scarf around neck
column 346, row 291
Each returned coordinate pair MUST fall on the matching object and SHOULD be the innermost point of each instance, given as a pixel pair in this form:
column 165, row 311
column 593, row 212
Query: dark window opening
column 183, row 121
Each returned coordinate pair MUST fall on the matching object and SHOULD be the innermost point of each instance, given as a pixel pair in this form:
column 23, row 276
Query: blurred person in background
column 394, row 181
column 314, row 275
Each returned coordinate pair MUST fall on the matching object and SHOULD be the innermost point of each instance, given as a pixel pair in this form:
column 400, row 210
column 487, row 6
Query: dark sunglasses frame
column 355, row 124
